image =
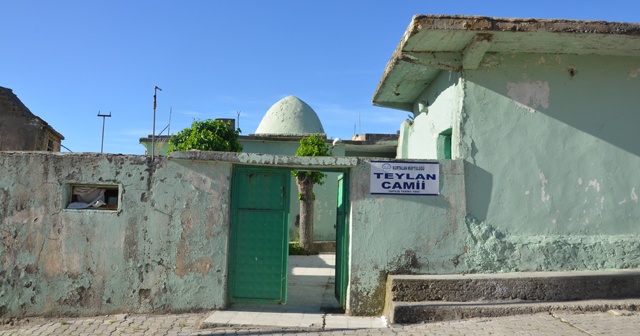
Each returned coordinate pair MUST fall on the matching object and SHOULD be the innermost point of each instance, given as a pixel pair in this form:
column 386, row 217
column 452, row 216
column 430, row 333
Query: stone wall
column 22, row 130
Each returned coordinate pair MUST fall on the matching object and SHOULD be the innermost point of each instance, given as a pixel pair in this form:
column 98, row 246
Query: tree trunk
column 305, row 188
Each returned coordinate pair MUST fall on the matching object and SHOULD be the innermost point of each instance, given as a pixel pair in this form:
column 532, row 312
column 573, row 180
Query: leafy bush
column 206, row 135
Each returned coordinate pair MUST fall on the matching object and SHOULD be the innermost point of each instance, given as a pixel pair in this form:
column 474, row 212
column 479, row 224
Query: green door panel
column 258, row 255
column 259, row 236
column 261, row 189
column 342, row 242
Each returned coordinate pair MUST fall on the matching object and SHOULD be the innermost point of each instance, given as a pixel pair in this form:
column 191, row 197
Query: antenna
column 104, row 116
column 238, row 113
column 169, row 126
column 153, row 132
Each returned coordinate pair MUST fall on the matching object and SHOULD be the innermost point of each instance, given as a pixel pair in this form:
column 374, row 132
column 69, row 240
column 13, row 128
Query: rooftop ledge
column 324, row 162
column 434, row 43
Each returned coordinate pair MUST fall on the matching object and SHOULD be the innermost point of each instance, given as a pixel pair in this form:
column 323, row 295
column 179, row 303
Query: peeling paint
column 529, row 95
column 378, row 250
column 142, row 258
column 543, row 194
column 593, row 184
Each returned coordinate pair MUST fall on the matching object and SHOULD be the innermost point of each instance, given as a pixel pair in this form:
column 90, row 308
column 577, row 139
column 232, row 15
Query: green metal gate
column 259, row 235
column 342, row 242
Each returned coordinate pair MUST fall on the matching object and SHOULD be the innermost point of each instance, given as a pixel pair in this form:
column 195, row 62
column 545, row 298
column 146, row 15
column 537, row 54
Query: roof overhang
column 433, row 43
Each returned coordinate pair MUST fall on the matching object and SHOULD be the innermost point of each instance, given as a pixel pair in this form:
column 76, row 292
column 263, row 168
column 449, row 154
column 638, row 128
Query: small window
column 94, row 197
column 444, row 145
column 50, row 145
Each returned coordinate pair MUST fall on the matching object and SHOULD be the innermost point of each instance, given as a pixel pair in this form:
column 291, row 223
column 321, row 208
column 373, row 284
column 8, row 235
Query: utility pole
column 238, row 112
column 104, row 116
column 153, row 132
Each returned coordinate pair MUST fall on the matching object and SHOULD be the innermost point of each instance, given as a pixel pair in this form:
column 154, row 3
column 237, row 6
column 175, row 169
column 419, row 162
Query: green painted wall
column 403, row 234
column 161, row 147
column 551, row 157
column 551, row 144
column 419, row 139
column 164, row 250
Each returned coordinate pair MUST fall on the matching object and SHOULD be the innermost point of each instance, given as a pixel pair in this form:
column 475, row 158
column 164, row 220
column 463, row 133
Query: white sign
column 405, row 178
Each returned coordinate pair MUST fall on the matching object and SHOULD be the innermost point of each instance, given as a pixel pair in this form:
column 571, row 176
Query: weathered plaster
column 550, row 162
column 494, row 251
column 164, row 250
column 553, row 189
column 403, row 234
column 570, row 164
column 327, row 163
column 529, row 95
column 434, row 43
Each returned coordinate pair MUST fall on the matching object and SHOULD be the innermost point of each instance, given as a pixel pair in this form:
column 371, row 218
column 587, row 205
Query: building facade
column 543, row 115
column 21, row 130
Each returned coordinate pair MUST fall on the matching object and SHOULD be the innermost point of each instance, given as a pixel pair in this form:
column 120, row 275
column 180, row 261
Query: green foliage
column 296, row 249
column 206, row 135
column 313, row 145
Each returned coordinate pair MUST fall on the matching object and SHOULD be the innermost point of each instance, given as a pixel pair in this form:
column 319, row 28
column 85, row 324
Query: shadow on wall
column 598, row 100
column 478, row 187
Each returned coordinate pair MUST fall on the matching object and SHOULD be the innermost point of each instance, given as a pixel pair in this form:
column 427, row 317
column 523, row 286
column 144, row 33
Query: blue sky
column 67, row 60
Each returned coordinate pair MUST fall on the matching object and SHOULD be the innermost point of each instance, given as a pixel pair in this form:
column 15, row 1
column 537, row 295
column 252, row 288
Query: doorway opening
column 262, row 274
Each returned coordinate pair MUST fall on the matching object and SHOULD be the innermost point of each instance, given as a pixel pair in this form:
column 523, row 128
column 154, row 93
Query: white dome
column 290, row 116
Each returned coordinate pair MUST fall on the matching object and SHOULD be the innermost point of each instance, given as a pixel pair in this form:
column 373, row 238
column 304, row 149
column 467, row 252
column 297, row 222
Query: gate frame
column 320, row 164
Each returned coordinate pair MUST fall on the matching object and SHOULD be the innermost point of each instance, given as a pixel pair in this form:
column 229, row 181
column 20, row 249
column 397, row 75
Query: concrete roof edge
column 393, row 62
column 388, row 85
column 268, row 159
column 485, row 23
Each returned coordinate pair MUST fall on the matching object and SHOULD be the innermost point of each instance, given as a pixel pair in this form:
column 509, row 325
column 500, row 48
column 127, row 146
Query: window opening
column 103, row 197
column 444, row 144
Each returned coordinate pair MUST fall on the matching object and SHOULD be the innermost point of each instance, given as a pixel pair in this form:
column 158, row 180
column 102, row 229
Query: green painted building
column 544, row 115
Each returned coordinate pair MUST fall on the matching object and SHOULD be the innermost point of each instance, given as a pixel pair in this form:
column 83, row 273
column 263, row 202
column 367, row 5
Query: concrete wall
column 163, row 250
column 551, row 145
column 403, row 234
column 418, row 138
